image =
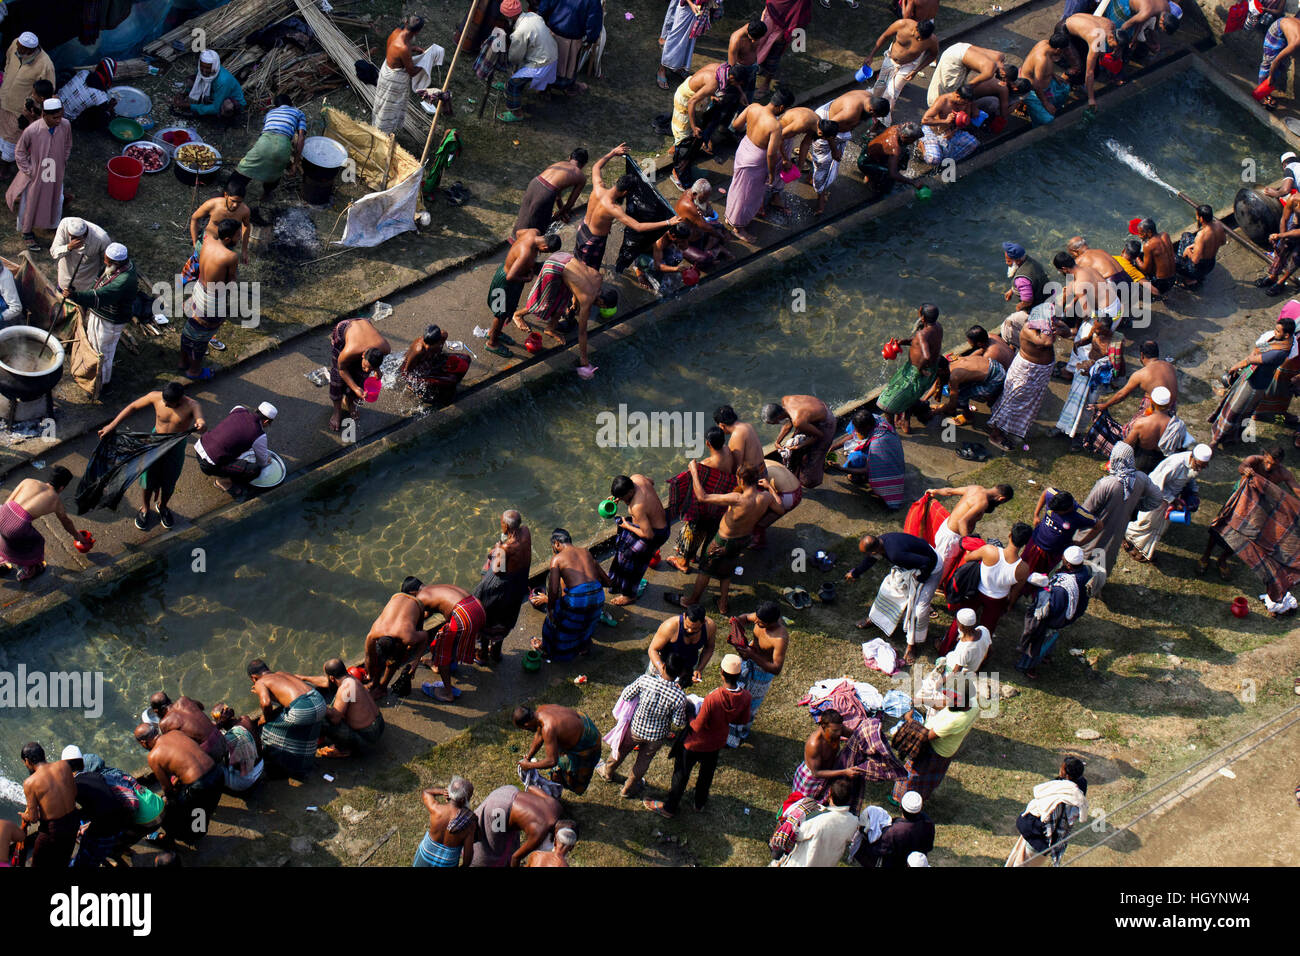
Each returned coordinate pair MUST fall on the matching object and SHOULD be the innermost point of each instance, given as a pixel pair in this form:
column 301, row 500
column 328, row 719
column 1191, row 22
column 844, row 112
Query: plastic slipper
column 804, row 598
column 607, row 619
column 205, row 374
column 657, row 806
column 675, row 599
column 429, row 687
column 661, row 82
column 500, row 350
column 973, row 451
column 640, row 588
column 587, row 372
column 790, row 596
column 217, row 346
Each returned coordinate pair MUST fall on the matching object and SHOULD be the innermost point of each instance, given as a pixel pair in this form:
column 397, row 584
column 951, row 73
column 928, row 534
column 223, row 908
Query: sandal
column 658, row 807
column 661, row 82
column 500, row 350
column 791, row 597
column 26, row 574
column 205, row 375
column 863, row 624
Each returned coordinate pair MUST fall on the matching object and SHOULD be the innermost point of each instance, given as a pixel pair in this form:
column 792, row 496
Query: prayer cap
column 52, row 105
column 71, row 752
column 209, row 56
column 1287, row 157
column 912, row 802
column 731, row 665
column 29, row 40
column 1014, row 249
column 116, row 251
column 76, row 226
column 1161, row 396
column 966, row 617
column 1074, row 554
column 1202, row 453
column 917, row 858
column 268, row 411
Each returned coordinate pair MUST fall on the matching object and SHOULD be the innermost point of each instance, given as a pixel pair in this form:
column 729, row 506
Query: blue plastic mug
column 864, row 73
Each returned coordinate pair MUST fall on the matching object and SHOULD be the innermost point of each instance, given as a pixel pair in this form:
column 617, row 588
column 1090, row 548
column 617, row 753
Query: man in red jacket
column 704, row 739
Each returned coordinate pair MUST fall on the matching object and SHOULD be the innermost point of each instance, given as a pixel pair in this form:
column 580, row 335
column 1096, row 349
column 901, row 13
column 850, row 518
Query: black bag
column 965, row 583
column 644, row 203
column 119, row 459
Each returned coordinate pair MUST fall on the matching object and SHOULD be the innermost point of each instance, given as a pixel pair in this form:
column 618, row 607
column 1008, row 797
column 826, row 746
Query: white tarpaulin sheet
column 377, row 217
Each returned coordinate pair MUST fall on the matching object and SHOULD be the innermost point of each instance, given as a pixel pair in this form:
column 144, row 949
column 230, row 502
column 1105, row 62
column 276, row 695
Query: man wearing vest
column 1028, row 278
column 243, row 430
column 109, row 301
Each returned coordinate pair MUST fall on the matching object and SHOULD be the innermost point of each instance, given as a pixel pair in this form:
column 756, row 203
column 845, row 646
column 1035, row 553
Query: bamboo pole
column 446, row 80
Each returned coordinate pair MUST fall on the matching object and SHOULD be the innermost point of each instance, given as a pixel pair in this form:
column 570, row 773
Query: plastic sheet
column 118, row 460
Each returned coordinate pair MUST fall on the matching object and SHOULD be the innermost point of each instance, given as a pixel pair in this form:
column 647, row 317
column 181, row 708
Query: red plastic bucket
column 124, row 177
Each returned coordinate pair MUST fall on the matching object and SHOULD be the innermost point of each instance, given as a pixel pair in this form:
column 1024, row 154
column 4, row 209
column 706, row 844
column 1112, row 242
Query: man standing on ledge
column 573, row 602
column 913, row 380
column 356, row 350
column 604, row 205
column 21, row 545
column 639, row 536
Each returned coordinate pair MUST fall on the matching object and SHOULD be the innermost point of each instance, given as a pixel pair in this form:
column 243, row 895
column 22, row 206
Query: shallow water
column 305, row 586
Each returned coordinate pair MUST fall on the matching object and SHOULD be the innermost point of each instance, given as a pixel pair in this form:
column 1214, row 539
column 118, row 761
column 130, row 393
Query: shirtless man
column 1157, row 256
column 189, row 717
column 841, row 116
column 819, row 753
column 964, row 64
column 395, row 636
column 1087, row 292
column 694, row 93
column 925, row 356
column 1097, row 259
column 753, row 498
column 808, row 426
column 1097, row 34
column 353, row 721
column 918, row 10
column 1145, row 432
column 742, row 54
column 789, row 489
column 229, row 205
column 762, row 125
column 1145, row 17
column 892, row 150
column 1044, row 61
column 557, row 730
column 357, row 350
column 211, row 299
column 12, row 848
column 511, row 279
column 1026, row 383
column 585, row 290
column 21, row 545
column 604, row 208
column 191, row 781
column 51, row 796
column 974, row 502
column 400, row 53
column 720, row 458
column 945, row 138
column 566, row 838
column 174, row 412
column 647, row 523
column 1196, row 253
column 707, row 235
column 742, row 439
column 537, row 210
column 504, row 585
column 530, row 817
column 802, row 124
column 456, row 640
column 453, row 827
column 763, row 658
column 912, row 47
column 976, row 375
column 1154, row 373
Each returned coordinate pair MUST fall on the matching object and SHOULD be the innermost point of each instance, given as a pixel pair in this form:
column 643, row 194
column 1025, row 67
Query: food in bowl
column 196, row 156
column 151, row 157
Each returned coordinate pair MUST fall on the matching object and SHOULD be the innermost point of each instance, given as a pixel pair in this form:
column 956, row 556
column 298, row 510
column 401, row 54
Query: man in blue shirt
column 284, row 130
column 1056, row 531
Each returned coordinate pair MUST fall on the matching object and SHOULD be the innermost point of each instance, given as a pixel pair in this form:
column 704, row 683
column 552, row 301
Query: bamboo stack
column 225, row 27
column 345, row 54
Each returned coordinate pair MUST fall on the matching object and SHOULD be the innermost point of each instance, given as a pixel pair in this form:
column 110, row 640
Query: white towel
column 425, row 62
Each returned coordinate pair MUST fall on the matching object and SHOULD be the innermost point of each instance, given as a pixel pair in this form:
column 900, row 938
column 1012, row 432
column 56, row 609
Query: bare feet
column 621, row 600
column 334, row 421
column 225, row 484
column 679, row 563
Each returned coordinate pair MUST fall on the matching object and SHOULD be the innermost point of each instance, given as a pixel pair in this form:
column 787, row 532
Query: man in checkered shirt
column 660, row 708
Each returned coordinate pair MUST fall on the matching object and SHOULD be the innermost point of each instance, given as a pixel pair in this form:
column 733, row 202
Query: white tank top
column 997, row 581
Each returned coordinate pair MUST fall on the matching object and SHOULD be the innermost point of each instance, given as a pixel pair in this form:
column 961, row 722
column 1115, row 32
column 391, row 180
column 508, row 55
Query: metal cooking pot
column 21, row 378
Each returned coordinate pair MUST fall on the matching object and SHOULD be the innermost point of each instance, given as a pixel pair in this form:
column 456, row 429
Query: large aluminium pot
column 31, row 363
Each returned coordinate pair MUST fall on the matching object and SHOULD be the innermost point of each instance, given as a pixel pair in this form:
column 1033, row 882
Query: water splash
column 12, row 792
column 1137, row 164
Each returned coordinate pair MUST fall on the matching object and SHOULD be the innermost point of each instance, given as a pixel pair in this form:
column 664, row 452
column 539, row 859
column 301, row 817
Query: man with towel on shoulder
column 78, row 248
column 22, row 547
column 25, row 63
column 214, row 92
column 406, row 67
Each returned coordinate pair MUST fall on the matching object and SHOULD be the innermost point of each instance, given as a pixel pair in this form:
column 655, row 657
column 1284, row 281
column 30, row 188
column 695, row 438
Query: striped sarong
column 457, row 638
column 1083, row 392
column 290, row 739
column 549, row 297
column 892, row 599
column 1274, row 43
column 190, row 271
column 886, row 468
column 905, row 389
column 924, row 774
column 391, row 93
column 431, row 853
column 826, row 168
column 567, row 631
column 1022, row 395
column 632, row 555
column 20, row 543
column 1238, row 404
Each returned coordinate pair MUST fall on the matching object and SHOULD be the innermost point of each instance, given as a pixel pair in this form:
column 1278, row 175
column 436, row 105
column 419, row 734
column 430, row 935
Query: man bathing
column 912, row 47
column 886, row 157
column 836, row 122
column 456, row 642
column 975, row 376
column 512, row 824
column 191, row 781
column 51, row 794
column 574, row 599
column 293, row 713
column 229, row 205
column 545, row 192
column 571, row 744
column 211, row 300
column 395, row 636
column 759, row 160
column 1197, row 251
column 924, row 357
column 1158, row 263
column 356, row 351
column 189, row 717
column 565, row 287
column 1091, row 38
column 504, row 586
column 742, row 440
column 22, row 547
column 808, row 427
column 1025, row 385
column 604, row 207
column 639, row 536
column 353, row 722
column 510, row 280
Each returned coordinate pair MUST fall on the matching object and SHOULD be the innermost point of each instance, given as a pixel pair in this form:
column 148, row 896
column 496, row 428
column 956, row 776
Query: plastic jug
column 372, row 387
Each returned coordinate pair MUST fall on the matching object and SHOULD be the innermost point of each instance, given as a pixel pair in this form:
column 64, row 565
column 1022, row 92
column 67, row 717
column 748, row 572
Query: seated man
column 1196, row 251
column 976, row 376
column 944, row 122
column 215, row 93
column 244, row 764
column 86, row 103
column 352, row 721
column 430, row 373
column 191, row 782
column 293, row 714
column 871, row 453
column 707, row 235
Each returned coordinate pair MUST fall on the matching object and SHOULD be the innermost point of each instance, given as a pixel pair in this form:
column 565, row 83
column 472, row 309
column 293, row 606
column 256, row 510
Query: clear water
column 306, row 585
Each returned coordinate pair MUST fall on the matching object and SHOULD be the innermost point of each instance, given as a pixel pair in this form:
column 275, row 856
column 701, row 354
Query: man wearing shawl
column 42, row 155
column 25, row 63
column 1062, row 602
column 1254, row 375
column 1113, row 499
column 1175, row 478
column 214, row 92
column 871, row 453
column 1057, row 805
column 1260, row 522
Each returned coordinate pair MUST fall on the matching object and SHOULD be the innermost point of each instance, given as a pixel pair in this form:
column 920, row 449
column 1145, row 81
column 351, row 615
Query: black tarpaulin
column 118, row 460
column 644, row 203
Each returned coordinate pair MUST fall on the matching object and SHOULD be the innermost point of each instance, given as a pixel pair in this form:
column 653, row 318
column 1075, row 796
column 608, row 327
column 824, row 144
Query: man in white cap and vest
column 109, row 301
column 215, row 92
column 42, row 156
column 1290, row 164
column 78, row 248
column 1061, row 602
column 235, row 451
column 25, row 63
column 1175, row 479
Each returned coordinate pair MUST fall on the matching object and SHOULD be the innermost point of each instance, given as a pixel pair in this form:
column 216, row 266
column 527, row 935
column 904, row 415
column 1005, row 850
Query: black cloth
column 98, row 801
column 684, row 761
column 203, row 794
column 118, row 460
column 644, row 203
column 906, row 551
column 902, row 838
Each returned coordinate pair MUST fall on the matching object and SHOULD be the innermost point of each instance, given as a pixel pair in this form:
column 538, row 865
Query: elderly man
column 1175, row 480
column 22, row 547
column 909, row 835
column 504, row 586
column 705, row 247
column 224, row 452
column 78, row 248
column 110, row 301
column 41, row 153
column 1028, row 278
column 572, row 744
column 1060, row 603
column 808, row 427
column 453, row 827
column 533, row 56
column 25, row 63
column 214, row 92
column 293, row 715
column 566, row 838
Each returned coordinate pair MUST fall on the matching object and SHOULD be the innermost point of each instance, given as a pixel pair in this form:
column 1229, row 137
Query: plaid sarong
column 924, row 774
column 905, row 389
column 549, row 297
column 1260, row 522
column 1277, row 397
column 814, row 788
column 575, row 618
column 1083, row 392
column 682, row 505
column 886, row 468
column 290, row 739
column 431, row 853
column 866, row 749
column 1022, row 394
column 1104, row 434
column 1238, row 404
column 632, row 554
column 190, row 271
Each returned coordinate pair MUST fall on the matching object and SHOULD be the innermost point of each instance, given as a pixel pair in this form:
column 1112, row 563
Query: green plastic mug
column 607, row 508
column 608, row 311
